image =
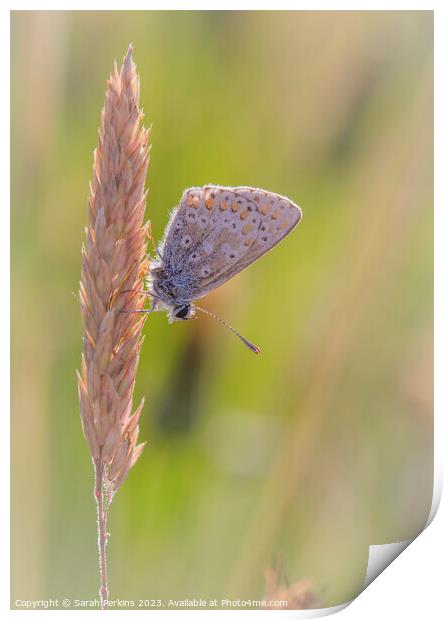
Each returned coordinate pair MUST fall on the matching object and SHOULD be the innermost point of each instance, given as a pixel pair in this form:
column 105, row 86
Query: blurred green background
column 324, row 443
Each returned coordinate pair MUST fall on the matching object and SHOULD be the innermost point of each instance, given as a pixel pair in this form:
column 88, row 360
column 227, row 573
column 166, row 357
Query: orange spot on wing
column 223, row 205
column 244, row 214
column 209, row 202
column 283, row 225
column 235, row 207
column 248, row 242
column 247, row 228
column 265, row 209
column 274, row 215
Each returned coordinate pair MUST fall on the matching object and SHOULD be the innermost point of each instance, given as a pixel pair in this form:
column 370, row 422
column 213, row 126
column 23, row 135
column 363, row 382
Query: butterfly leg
column 153, row 241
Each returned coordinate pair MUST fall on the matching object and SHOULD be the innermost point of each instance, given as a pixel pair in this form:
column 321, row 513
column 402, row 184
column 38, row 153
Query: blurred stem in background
column 387, row 225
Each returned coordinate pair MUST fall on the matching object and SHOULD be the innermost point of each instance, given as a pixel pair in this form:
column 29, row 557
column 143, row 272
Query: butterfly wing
column 216, row 232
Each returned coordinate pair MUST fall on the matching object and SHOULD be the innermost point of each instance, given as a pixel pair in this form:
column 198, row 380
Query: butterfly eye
column 182, row 312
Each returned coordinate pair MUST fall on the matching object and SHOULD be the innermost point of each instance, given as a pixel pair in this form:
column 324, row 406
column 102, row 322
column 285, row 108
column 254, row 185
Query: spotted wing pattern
column 218, row 231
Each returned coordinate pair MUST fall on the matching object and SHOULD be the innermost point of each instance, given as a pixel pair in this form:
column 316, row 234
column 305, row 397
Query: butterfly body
column 215, row 233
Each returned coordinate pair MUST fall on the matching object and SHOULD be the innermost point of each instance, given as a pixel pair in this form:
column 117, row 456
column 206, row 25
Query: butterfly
column 212, row 235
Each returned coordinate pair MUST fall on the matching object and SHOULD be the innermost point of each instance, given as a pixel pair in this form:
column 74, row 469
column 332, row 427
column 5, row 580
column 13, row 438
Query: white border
column 5, row 309
column 409, row 588
column 209, row 5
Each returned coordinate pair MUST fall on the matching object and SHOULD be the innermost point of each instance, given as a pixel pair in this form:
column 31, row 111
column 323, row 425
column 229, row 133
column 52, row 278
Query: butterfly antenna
column 246, row 342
